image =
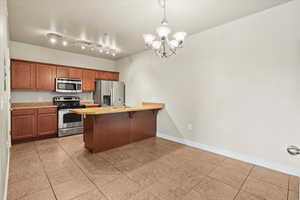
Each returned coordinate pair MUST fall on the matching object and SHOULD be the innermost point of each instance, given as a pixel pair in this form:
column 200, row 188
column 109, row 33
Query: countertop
column 35, row 105
column 32, row 105
column 110, row 110
column 89, row 104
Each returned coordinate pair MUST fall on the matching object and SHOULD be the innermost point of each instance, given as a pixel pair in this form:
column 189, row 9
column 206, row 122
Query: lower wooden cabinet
column 23, row 124
column 30, row 123
column 47, row 121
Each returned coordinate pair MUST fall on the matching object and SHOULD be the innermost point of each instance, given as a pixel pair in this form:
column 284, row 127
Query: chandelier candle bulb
column 149, row 38
column 180, row 36
column 163, row 31
column 64, row 43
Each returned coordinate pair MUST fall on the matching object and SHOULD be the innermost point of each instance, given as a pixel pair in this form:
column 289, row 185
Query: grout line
column 45, row 171
column 240, row 189
column 82, row 172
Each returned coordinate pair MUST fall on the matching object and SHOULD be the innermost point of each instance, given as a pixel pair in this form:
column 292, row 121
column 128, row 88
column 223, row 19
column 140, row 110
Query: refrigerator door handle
column 112, row 97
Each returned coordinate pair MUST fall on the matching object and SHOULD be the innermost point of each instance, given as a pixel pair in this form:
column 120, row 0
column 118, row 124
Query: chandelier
column 107, row 47
column 162, row 45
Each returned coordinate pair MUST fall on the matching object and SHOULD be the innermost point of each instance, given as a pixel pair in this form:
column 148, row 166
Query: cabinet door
column 88, row 80
column 47, row 124
column 23, row 125
column 115, row 76
column 45, row 77
column 62, row 72
column 104, row 75
column 23, row 75
column 75, row 73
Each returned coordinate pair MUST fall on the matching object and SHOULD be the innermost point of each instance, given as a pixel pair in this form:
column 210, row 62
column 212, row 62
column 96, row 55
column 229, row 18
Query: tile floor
column 153, row 169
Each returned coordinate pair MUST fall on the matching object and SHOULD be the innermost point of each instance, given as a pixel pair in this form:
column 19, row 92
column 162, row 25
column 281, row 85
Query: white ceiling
column 126, row 20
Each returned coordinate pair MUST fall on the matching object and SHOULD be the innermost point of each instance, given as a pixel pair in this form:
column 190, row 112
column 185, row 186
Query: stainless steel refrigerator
column 109, row 93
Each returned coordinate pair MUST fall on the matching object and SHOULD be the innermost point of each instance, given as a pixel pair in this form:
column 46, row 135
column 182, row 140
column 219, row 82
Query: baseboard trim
column 234, row 155
column 6, row 176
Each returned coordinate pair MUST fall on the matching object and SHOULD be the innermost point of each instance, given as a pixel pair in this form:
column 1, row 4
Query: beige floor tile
column 203, row 167
column 72, row 188
column 229, row 176
column 24, row 147
column 65, row 174
column 72, row 144
column 270, row 176
column 41, row 195
column 149, row 174
column 115, row 155
column 166, row 191
column 120, row 189
column 240, row 166
column 127, row 165
column 247, row 196
column 91, row 195
column 141, row 155
column 264, row 190
column 27, row 187
column 294, row 183
column 210, row 189
column 293, row 195
column 96, row 168
column 144, row 195
column 24, row 172
column 193, row 195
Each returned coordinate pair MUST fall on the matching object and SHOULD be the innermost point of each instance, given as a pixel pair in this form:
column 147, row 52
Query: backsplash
column 44, row 96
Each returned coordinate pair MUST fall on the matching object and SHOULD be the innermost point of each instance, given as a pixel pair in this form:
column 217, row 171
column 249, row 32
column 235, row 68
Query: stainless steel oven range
column 68, row 123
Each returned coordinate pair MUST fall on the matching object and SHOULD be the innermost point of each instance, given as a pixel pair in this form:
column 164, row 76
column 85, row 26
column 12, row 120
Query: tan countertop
column 110, row 110
column 32, row 105
column 89, row 104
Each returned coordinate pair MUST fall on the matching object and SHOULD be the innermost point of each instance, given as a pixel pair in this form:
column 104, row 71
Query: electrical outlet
column 190, row 127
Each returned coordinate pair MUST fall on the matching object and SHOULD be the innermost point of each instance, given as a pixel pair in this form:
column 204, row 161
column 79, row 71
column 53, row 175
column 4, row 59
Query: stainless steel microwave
column 66, row 85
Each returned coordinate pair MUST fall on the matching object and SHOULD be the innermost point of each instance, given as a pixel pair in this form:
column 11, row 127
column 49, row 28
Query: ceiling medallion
column 163, row 46
column 105, row 48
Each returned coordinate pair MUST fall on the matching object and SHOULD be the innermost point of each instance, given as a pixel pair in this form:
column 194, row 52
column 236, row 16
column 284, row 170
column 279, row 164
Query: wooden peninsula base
column 107, row 128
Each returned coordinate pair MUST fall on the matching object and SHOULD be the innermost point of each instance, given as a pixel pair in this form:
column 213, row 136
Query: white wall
column 4, row 100
column 24, row 51
column 238, row 85
column 30, row 52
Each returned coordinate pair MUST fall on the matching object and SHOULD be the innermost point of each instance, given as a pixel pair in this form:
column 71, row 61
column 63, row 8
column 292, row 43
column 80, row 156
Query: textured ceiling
column 125, row 20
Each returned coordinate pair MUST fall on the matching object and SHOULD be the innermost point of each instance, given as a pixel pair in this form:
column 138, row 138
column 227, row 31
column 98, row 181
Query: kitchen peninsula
column 110, row 127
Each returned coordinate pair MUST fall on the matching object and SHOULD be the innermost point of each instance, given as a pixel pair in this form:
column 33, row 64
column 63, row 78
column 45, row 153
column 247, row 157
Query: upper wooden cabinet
column 27, row 75
column 68, row 72
column 75, row 73
column 45, row 77
column 23, row 75
column 62, row 72
column 88, row 80
column 105, row 75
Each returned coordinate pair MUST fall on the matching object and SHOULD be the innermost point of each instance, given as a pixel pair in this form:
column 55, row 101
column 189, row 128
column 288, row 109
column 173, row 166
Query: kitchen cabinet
column 62, row 72
column 88, row 80
column 47, row 121
column 32, row 123
column 23, row 75
column 28, row 75
column 68, row 72
column 23, row 124
column 45, row 77
column 105, row 75
column 75, row 73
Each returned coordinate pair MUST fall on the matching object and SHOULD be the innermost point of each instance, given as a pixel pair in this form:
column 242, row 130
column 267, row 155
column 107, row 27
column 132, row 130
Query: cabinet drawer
column 23, row 112
column 47, row 110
